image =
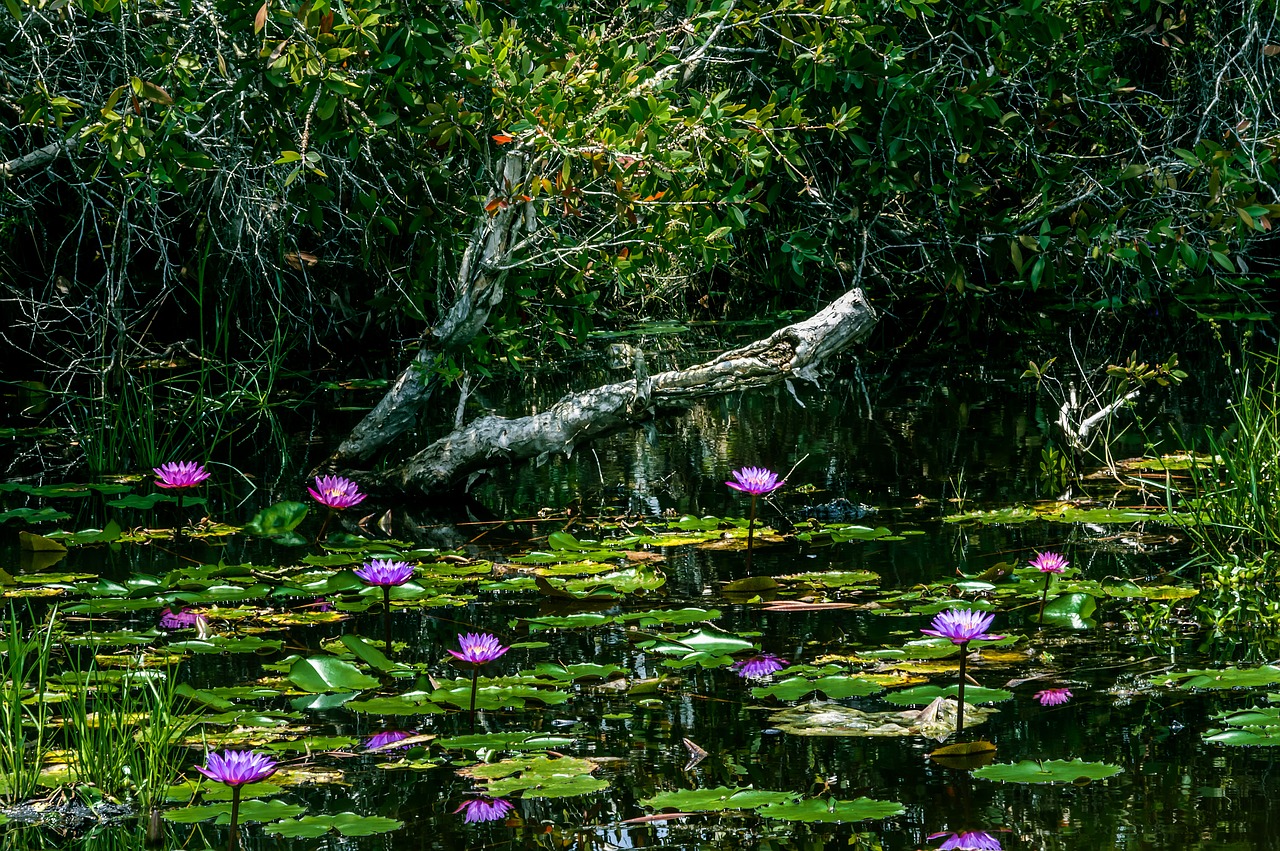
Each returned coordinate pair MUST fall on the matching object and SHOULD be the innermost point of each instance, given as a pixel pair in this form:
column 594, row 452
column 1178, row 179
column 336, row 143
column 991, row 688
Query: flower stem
column 324, row 525
column 386, row 618
column 234, row 842
column 964, row 655
column 475, row 681
column 751, row 530
column 177, row 529
column 1044, row 596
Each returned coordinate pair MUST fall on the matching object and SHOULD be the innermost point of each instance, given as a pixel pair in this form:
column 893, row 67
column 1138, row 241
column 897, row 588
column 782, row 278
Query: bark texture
column 791, row 352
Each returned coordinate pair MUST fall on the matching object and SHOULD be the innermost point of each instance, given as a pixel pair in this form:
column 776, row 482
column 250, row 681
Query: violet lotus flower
column 1050, row 563
column 385, row 573
column 479, row 648
column 384, row 740
column 756, row 481
column 1053, row 696
column 758, row 667
column 968, row 840
column 184, row 618
column 238, row 768
column 484, row 809
column 180, row 474
column 962, row 626
column 336, row 492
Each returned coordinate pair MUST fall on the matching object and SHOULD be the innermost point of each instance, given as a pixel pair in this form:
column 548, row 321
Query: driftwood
column 791, row 352
column 480, row 280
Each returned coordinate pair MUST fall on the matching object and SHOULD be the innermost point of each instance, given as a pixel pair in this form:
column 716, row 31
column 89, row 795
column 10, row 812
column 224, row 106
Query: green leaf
column 278, row 519
column 831, row 810
column 1223, row 678
column 322, row 674
column 249, row 811
column 716, row 800
column 1053, row 771
column 834, row 687
column 924, row 695
column 346, row 824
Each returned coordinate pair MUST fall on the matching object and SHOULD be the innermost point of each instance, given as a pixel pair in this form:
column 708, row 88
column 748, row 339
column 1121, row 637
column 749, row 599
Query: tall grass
column 24, row 712
column 1236, row 494
column 125, row 734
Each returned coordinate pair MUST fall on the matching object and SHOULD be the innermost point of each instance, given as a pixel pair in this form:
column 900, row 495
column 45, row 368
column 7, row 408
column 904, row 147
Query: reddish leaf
column 495, row 205
column 326, row 23
column 260, row 19
column 1271, row 49
column 503, row 138
column 300, row 259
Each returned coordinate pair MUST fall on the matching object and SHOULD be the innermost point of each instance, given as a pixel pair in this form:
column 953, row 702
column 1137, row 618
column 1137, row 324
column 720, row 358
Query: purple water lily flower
column 184, row 618
column 755, row 481
column 1050, row 563
column 180, row 474
column 479, row 648
column 758, row 667
column 484, row 809
column 385, row 573
column 336, row 492
column 1053, row 696
column 384, row 740
column 962, row 626
column 968, row 840
column 237, row 768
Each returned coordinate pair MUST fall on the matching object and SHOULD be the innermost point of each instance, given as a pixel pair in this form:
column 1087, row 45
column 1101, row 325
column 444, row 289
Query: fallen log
column 791, row 352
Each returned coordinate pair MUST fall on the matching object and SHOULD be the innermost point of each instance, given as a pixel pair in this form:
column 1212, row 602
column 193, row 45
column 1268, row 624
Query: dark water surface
column 917, row 448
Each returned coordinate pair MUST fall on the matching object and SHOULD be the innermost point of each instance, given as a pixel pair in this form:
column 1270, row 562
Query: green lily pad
column 278, row 519
column 345, row 824
column 831, row 810
column 834, row 687
column 1052, row 771
column 34, row 515
column 151, row 500
column 923, row 695
column 495, row 693
column 537, row 777
column 504, row 742
column 717, row 800
column 249, row 811
column 411, row 703
column 321, row 674
column 834, row 578
column 1264, row 675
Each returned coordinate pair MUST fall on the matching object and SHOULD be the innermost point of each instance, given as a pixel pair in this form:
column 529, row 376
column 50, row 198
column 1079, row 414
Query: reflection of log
column 791, row 352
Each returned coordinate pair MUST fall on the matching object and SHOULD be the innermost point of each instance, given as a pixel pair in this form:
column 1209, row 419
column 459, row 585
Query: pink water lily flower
column 180, row 474
column 756, row 481
column 238, row 768
column 336, row 492
column 968, row 840
column 484, row 809
column 1053, row 696
column 758, row 667
column 384, row 572
column 963, row 626
column 479, row 648
column 1050, row 563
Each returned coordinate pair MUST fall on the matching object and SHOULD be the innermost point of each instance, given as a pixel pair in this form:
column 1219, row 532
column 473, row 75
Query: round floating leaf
column 346, row 824
column 249, row 811
column 716, row 800
column 1264, row 675
column 1053, row 771
column 1071, row 611
column 505, row 741
column 922, row 695
column 277, row 519
column 413, row 703
column 832, row 810
column 321, row 674
column 834, row 687
column 537, row 777
column 714, row 641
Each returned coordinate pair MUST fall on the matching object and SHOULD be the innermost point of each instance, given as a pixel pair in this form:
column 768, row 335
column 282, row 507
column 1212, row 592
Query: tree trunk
column 791, row 352
column 480, row 280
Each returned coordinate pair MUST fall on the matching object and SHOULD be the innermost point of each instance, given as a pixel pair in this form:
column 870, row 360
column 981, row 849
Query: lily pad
column 922, row 695
column 831, row 810
column 321, row 674
column 537, row 777
column 1264, row 675
column 249, row 811
column 344, row 824
column 717, row 800
column 1052, row 771
column 834, row 687
column 935, row 721
column 278, row 519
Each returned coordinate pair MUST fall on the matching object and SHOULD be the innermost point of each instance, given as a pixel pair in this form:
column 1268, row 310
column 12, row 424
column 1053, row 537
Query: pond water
column 627, row 610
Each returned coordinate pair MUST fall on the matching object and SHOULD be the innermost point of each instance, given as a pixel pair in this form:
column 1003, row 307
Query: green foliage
column 24, row 714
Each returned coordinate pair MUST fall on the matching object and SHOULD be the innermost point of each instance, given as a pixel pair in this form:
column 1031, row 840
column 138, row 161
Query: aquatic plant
column 385, row 739
column 758, row 667
column 334, row 493
column 25, row 672
column 1053, row 696
column 756, row 481
column 237, row 769
column 483, row 809
column 1050, row 564
column 962, row 626
column 183, row 618
column 968, row 840
column 180, row 475
column 386, row 574
column 477, row 649
column 157, row 757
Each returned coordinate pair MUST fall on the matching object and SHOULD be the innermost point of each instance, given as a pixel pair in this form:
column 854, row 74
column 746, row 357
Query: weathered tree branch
column 791, row 352
column 35, row 159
